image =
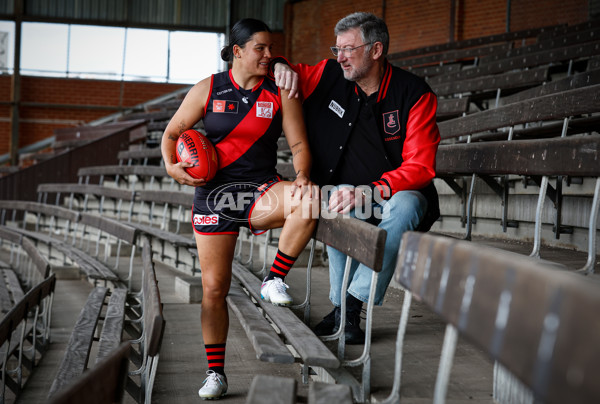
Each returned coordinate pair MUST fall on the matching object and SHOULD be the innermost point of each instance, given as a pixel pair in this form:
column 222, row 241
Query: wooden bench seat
column 148, row 331
column 310, row 348
column 76, row 358
column 146, row 175
column 158, row 214
column 563, row 54
column 11, row 291
column 484, row 85
column 282, row 390
column 142, row 346
column 267, row 344
column 141, row 156
column 77, row 353
column 538, row 322
column 473, row 42
column 95, row 267
column 360, row 241
column 103, row 383
column 25, row 335
column 537, row 159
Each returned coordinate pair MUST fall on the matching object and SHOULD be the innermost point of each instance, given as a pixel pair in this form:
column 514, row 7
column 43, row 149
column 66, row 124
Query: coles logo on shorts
column 206, row 220
column 264, row 109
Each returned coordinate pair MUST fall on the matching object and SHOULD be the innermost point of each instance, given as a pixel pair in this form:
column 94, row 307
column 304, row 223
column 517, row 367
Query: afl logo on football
column 391, row 123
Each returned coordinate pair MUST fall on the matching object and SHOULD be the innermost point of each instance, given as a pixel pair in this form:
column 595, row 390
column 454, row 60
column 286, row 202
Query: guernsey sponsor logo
column 264, row 109
column 224, row 106
column 206, row 220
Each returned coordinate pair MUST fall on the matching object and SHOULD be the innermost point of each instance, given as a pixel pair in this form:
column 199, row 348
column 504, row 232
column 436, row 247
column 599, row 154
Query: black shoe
column 329, row 324
column 352, row 332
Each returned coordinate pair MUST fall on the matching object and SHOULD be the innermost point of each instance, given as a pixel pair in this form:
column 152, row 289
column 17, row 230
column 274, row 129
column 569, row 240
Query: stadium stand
column 518, row 115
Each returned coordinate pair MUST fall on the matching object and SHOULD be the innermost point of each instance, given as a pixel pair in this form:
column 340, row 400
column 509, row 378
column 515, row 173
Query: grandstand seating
column 518, row 114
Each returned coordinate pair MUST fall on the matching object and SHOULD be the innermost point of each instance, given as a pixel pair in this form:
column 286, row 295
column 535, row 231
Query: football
column 193, row 147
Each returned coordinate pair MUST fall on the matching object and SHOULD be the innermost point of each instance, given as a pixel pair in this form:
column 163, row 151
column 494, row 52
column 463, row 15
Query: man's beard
column 357, row 73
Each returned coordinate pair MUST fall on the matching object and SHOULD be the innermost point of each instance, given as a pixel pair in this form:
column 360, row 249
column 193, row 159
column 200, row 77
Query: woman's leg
column 297, row 215
column 215, row 253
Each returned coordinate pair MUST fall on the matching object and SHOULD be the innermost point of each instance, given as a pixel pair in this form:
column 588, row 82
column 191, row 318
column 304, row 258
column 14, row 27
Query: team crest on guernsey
column 225, row 106
column 391, row 123
column 264, row 109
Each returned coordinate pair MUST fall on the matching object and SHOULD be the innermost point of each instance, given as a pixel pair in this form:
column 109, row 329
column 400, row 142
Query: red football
column 193, row 147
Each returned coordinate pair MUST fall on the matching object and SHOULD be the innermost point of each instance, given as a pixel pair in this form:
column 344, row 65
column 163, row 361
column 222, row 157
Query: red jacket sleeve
column 418, row 153
column 308, row 76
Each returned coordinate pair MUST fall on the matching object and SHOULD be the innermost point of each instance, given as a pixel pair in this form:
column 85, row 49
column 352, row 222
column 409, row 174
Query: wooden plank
column 31, row 299
column 540, row 322
column 360, row 240
column 6, row 302
column 104, row 383
column 78, row 348
column 169, row 236
column 139, row 154
column 154, row 322
column 574, row 38
column 578, row 80
column 468, row 43
column 41, row 208
column 281, row 390
column 90, row 189
column 455, row 55
column 554, row 106
column 176, row 198
column 451, row 107
column 577, row 156
column 114, row 227
column 14, row 286
column 326, row 393
column 139, row 170
column 310, row 348
column 39, row 261
column 510, row 80
column 266, row 342
column 112, row 327
column 552, row 56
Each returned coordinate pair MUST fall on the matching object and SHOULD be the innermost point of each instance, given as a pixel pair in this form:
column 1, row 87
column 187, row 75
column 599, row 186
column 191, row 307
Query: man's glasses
column 346, row 51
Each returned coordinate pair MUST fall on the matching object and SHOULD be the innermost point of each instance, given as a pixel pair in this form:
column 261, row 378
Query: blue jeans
column 402, row 212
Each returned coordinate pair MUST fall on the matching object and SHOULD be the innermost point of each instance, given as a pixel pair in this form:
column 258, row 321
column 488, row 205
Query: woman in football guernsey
column 244, row 114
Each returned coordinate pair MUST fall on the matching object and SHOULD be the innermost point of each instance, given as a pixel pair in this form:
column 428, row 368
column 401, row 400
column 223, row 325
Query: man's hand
column 286, row 79
column 345, row 199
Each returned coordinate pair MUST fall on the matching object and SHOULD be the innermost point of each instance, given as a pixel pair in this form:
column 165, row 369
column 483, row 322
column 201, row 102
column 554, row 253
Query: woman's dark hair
column 241, row 33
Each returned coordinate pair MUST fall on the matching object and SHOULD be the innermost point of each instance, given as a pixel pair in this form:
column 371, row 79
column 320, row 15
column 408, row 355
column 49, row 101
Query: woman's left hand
column 305, row 185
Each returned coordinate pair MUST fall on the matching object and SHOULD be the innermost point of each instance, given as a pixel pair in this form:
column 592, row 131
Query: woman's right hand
column 286, row 79
column 178, row 173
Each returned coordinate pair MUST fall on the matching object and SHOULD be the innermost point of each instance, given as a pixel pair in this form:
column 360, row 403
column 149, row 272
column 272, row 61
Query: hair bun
column 226, row 53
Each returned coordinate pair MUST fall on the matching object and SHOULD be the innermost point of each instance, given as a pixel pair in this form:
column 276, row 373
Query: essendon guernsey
column 244, row 126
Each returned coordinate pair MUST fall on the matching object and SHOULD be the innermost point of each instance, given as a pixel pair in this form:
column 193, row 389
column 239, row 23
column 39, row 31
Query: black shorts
column 224, row 209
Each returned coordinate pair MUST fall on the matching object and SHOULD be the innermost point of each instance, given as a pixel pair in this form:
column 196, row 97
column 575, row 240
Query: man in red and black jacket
column 373, row 134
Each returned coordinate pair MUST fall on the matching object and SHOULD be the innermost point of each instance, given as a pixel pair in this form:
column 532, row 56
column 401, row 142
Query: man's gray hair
column 372, row 28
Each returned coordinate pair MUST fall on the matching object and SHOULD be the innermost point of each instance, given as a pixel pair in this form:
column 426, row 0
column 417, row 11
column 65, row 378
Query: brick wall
column 63, row 103
column 414, row 24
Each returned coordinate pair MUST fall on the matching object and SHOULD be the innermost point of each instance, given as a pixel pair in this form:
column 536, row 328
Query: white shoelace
column 280, row 285
column 213, row 379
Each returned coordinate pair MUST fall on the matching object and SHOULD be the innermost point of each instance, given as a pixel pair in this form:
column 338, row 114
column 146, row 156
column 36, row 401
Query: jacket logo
column 225, row 106
column 391, row 123
column 337, row 108
column 264, row 109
